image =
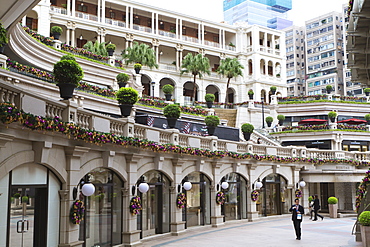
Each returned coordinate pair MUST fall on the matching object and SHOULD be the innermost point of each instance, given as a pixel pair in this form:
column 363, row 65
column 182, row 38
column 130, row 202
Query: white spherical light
column 143, row 187
column 302, row 183
column 225, row 185
column 88, row 189
column 259, row 185
column 187, row 186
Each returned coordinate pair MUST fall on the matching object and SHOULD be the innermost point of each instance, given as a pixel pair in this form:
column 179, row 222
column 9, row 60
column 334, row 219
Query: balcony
column 58, row 10
column 115, row 22
column 167, row 34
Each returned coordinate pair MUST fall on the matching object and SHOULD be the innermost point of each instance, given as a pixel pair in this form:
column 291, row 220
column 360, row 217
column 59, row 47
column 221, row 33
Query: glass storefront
column 102, row 225
column 198, row 208
column 360, row 146
column 235, row 207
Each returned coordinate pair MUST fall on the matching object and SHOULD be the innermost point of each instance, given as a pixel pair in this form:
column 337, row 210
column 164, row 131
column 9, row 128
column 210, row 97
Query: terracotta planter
column 125, row 109
column 66, row 90
column 247, row 136
column 333, row 210
column 211, row 130
column 122, row 84
column 209, row 104
column 172, row 122
column 168, row 96
column 365, row 235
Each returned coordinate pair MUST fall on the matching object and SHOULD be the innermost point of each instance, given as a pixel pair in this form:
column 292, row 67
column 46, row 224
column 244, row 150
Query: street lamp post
column 263, row 114
column 153, row 83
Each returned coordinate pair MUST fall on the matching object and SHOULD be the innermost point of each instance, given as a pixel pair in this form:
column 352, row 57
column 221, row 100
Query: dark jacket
column 294, row 212
column 316, row 204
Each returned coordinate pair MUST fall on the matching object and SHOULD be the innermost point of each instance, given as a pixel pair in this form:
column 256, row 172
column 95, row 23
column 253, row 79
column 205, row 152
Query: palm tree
column 97, row 48
column 230, row 68
column 195, row 65
column 140, row 53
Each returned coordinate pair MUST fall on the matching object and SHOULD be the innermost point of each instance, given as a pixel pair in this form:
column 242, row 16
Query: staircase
column 266, row 138
column 228, row 114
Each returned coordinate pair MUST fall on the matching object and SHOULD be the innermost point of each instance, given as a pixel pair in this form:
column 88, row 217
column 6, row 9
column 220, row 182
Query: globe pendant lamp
column 143, row 187
column 224, row 185
column 88, row 189
column 187, row 186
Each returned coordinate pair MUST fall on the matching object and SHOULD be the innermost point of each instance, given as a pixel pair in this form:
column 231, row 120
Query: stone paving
column 268, row 232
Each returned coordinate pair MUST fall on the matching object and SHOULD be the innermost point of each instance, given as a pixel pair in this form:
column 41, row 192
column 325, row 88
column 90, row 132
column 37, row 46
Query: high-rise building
column 267, row 13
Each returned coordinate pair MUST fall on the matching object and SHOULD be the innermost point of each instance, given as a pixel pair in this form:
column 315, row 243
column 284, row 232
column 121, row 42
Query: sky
column 302, row 11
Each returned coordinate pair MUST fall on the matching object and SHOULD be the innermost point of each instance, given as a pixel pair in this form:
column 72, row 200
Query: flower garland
column 135, row 205
column 362, row 189
column 254, row 195
column 181, row 200
column 298, row 193
column 77, row 212
column 10, row 114
column 220, row 198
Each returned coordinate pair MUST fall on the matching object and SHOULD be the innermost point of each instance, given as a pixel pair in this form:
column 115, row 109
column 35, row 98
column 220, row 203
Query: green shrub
column 269, row 119
column 329, row 87
column 367, row 90
column 212, row 121
column 167, row 89
column 3, row 36
column 332, row 114
column 122, row 77
column 209, row 97
column 67, row 71
column 273, row 89
column 25, row 199
column 172, row 111
column 332, row 200
column 110, row 46
column 310, row 198
column 56, row 29
column 137, row 66
column 127, row 95
column 250, row 92
column 281, row 117
column 17, row 195
column 247, row 128
column 364, row 218
column 367, row 117
column 68, row 57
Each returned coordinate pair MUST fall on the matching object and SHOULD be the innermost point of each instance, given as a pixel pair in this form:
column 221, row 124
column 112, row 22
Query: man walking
column 297, row 216
column 316, row 208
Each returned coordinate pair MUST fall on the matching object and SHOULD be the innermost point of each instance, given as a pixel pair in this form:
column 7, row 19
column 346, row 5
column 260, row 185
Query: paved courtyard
column 274, row 231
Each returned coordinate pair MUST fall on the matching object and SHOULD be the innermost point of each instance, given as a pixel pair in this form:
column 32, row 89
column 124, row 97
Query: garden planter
column 137, row 70
column 333, row 210
column 168, row 96
column 281, row 123
column 329, row 91
column 110, row 52
column 171, row 122
column 273, row 92
column 2, row 48
column 125, row 109
column 56, row 36
column 368, row 122
column 269, row 124
column 66, row 90
column 367, row 93
column 122, row 84
column 332, row 120
column 209, row 104
column 365, row 235
column 250, row 96
column 247, row 136
column 211, row 130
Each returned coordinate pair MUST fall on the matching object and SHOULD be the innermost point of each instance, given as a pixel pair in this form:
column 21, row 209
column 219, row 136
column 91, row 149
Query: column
column 73, row 8
column 177, row 225
column 199, row 33
column 127, row 17
column 24, row 20
column 223, row 39
column 103, row 11
column 177, row 60
column 177, row 28
column 68, row 7
column 73, row 37
column 216, row 216
column 153, row 19
column 252, row 206
column 180, row 62
column 156, row 23
column 265, row 41
column 156, row 54
column 181, row 27
column 220, row 38
column 131, row 17
column 273, row 44
column 68, row 38
column 99, row 11
column 202, row 33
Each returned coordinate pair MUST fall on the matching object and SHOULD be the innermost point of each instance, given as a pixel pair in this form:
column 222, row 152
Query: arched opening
column 213, row 90
column 274, row 197
column 155, row 215
column 278, row 70
column 230, row 95
column 235, row 207
column 270, row 68
column 146, row 81
column 32, row 20
column 163, row 82
column 198, row 210
column 188, row 91
column 102, row 225
column 250, row 67
column 263, row 95
column 262, row 67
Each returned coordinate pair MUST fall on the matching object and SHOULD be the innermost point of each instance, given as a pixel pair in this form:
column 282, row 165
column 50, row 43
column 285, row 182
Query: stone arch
column 263, row 95
column 214, row 89
column 150, row 166
column 262, row 67
column 32, row 19
column 188, row 91
column 165, row 81
column 270, row 68
column 250, row 67
column 278, row 69
column 231, row 95
column 146, row 82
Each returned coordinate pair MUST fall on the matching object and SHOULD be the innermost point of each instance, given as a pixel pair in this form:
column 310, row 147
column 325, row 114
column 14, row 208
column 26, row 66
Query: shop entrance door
column 28, row 216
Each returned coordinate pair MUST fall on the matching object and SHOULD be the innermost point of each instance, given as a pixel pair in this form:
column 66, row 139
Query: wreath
column 77, row 212
column 181, row 200
column 298, row 193
column 135, row 205
column 254, row 195
column 220, row 198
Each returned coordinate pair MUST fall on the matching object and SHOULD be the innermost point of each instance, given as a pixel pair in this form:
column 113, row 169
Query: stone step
column 228, row 114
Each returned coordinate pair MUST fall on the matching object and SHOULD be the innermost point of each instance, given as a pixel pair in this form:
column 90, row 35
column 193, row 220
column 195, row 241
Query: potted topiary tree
column 333, row 206
column 281, row 119
column 367, row 91
column 209, row 98
column 367, row 118
column 212, row 121
column 332, row 115
column 126, row 97
column 67, row 75
column 172, row 112
column 56, row 31
column 110, row 49
column 68, row 57
column 3, row 38
column 122, row 79
column 273, row 90
column 247, row 130
column 167, row 90
column 250, row 94
column 137, row 68
column 269, row 121
column 329, row 89
column 364, row 220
